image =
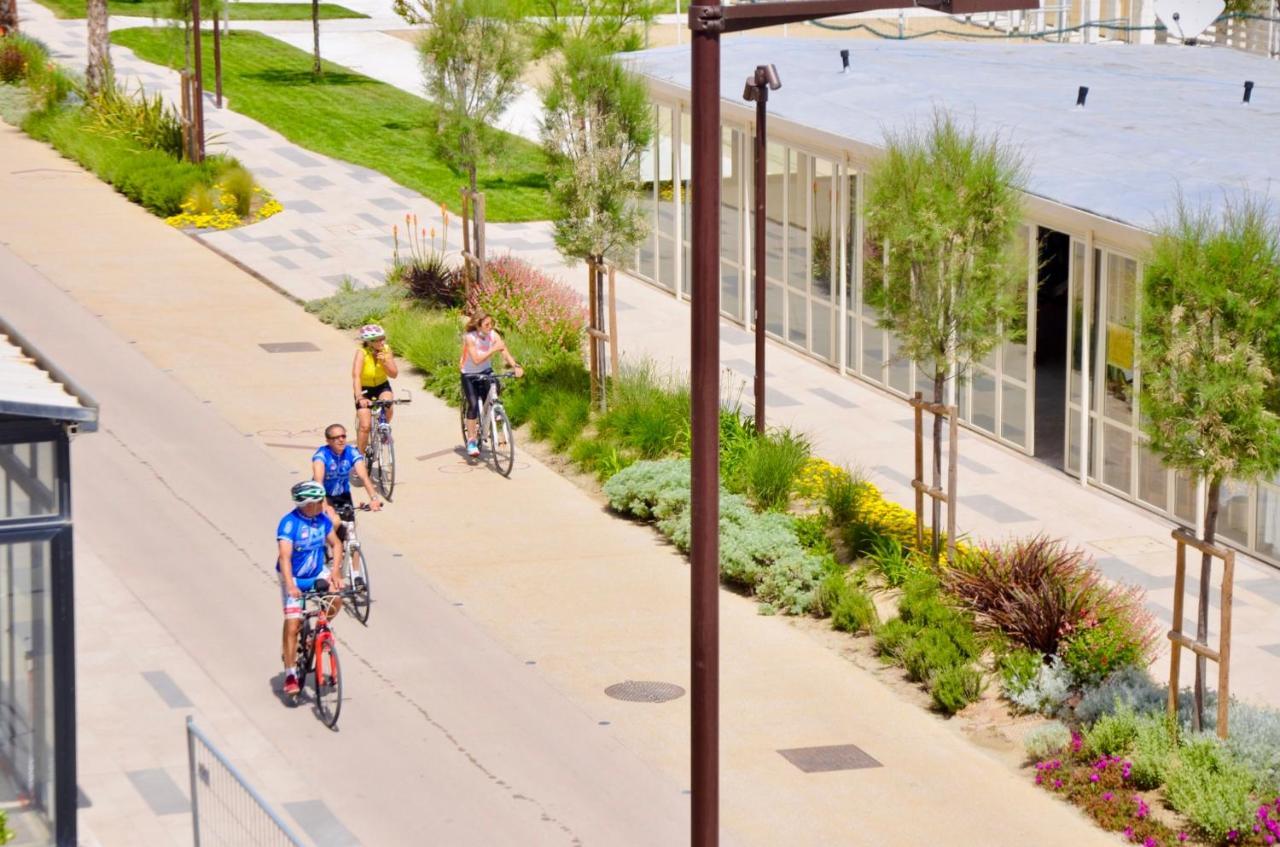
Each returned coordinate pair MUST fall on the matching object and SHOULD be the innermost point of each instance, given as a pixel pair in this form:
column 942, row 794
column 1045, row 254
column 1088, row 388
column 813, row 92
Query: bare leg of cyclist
column 364, row 421
column 391, row 410
column 289, row 645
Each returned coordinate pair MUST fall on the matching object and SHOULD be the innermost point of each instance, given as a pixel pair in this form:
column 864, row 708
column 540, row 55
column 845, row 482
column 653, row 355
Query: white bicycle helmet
column 371, row 332
column 307, row 492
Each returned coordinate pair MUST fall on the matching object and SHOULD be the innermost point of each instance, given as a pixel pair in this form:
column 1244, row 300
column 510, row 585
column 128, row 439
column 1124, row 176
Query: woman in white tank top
column 479, row 345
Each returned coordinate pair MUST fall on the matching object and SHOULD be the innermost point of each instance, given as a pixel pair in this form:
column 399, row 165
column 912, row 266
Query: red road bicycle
column 318, row 654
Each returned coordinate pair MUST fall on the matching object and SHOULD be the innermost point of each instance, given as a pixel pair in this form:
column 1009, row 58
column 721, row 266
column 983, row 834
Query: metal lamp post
column 706, row 23
column 757, row 91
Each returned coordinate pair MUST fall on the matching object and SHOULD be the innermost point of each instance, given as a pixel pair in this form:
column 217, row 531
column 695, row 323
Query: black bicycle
column 495, row 438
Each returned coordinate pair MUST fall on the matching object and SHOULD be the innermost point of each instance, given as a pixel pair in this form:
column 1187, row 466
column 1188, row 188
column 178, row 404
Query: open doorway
column 1052, row 296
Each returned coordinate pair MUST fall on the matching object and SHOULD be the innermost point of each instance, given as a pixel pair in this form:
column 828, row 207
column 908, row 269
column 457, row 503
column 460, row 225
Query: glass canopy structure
column 38, row 416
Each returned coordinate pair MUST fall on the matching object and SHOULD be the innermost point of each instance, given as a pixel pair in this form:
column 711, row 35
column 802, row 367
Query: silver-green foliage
column 1047, row 740
column 1045, row 691
column 351, row 307
column 760, row 552
column 1212, row 789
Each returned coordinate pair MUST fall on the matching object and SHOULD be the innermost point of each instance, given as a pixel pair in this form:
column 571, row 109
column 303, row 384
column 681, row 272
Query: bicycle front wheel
column 328, row 683
column 360, row 593
column 502, row 443
column 386, row 452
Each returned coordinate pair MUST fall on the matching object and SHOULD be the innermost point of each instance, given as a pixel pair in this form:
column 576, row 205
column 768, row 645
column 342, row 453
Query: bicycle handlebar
column 377, row 404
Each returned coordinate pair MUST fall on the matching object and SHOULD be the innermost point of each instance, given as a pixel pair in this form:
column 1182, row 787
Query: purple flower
column 1150, row 841
column 1107, row 796
column 1182, row 836
column 1093, row 777
column 1128, row 833
column 1232, row 835
column 1057, row 783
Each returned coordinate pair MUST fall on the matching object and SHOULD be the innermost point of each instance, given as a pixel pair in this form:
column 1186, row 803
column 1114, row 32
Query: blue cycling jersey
column 307, row 535
column 337, row 468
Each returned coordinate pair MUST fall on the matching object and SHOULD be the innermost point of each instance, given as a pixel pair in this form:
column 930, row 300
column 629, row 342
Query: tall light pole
column 757, row 90
column 706, row 23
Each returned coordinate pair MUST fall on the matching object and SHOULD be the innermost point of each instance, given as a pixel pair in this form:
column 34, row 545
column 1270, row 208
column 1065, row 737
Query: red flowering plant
column 519, row 296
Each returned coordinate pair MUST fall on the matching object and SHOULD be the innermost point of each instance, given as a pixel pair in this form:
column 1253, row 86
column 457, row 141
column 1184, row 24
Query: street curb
column 260, row 277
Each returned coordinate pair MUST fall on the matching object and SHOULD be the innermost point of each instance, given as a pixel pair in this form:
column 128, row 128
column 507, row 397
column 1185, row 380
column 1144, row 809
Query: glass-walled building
column 1065, row 383
column 38, row 416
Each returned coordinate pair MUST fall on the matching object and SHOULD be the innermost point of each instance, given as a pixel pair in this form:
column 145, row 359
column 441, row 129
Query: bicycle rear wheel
column 386, row 481
column 502, row 443
column 361, row 597
column 328, row 683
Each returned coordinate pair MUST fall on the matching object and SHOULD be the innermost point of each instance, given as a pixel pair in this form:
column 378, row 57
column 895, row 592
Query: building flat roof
column 30, row 387
column 1159, row 119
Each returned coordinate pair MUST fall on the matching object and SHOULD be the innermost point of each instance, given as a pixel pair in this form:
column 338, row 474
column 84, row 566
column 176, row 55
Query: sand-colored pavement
column 511, row 605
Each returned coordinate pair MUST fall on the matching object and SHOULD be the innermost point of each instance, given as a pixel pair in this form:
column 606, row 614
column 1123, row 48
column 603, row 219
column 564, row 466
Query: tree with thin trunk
column 942, row 212
column 316, row 69
column 1208, row 352
column 473, row 53
column 596, row 124
column 98, row 73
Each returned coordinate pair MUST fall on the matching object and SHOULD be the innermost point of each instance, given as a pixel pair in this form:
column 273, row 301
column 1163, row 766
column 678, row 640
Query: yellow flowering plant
column 216, row 207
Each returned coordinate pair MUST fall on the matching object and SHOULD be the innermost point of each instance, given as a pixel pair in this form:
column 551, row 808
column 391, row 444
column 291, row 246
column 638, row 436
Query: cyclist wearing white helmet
column 301, row 537
column 371, row 375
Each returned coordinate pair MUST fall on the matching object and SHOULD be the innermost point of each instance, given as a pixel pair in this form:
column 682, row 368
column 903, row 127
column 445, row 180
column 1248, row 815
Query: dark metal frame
column 57, row 530
column 759, row 83
column 706, row 23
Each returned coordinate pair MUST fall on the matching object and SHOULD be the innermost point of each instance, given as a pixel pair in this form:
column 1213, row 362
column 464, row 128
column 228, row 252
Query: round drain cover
column 637, row 691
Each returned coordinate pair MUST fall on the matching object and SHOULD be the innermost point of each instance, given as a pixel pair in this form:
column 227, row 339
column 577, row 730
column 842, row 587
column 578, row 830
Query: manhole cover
column 838, row 757
column 636, row 691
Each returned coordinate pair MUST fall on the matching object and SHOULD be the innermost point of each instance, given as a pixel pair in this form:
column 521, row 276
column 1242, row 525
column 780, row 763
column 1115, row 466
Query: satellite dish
column 1186, row 19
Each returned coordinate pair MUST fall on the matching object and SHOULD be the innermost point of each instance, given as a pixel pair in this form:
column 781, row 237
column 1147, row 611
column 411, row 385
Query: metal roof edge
column 87, row 416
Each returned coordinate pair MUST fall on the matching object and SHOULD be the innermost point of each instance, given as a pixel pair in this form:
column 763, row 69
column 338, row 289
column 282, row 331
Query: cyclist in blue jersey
column 331, row 466
column 301, row 539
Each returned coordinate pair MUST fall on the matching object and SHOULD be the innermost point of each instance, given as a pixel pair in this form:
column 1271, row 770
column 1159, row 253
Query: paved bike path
column 479, row 723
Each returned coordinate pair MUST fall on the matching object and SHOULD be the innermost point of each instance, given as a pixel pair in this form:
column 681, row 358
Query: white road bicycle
column 380, row 454
column 495, row 439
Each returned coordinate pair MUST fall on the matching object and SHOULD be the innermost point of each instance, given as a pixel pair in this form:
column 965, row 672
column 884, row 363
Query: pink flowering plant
column 1103, row 788
column 519, row 296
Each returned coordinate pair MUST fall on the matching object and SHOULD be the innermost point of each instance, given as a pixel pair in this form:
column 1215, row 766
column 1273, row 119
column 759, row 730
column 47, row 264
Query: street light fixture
column 759, row 84
column 707, row 21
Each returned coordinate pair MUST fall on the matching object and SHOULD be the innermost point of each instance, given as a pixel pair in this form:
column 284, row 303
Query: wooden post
column 1222, row 655
column 952, row 456
column 466, row 243
column 1175, row 651
column 592, row 328
column 188, row 133
column 479, row 240
column 919, row 475
column 197, row 95
column 217, row 63
column 613, row 321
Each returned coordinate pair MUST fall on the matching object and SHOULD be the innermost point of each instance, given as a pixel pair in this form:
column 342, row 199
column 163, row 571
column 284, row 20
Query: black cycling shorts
column 475, row 387
column 372, row 393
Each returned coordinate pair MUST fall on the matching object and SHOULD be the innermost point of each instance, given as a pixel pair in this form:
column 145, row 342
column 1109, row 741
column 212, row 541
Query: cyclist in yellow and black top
column 371, row 374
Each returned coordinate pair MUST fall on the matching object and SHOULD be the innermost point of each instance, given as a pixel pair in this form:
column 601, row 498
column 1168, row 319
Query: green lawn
column 352, row 117
column 235, row 11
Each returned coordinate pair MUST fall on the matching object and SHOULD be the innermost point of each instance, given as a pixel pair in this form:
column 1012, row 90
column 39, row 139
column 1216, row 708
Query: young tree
column 596, row 123
column 472, row 56
column 98, row 73
column 1208, row 352
column 945, row 203
column 614, row 26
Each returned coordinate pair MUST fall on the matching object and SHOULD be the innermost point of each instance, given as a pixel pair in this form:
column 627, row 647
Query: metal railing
column 225, row 808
